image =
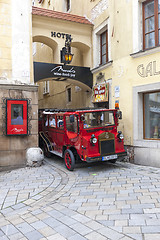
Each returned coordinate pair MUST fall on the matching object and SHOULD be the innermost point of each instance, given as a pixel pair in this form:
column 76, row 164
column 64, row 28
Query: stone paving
column 19, row 185
column 97, row 201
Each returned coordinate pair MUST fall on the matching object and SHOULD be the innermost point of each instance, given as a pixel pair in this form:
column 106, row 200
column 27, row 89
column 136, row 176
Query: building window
column 68, row 5
column 45, row 87
column 151, row 23
column 101, row 33
column 33, row 2
column 151, row 115
column 104, row 47
column 69, row 94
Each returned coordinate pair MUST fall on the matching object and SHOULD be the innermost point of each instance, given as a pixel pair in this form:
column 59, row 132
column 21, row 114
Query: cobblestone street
column 97, row 201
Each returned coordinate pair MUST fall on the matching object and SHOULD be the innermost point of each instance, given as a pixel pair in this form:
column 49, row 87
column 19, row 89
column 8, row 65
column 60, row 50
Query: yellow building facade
column 116, row 59
column 19, row 94
column 132, row 70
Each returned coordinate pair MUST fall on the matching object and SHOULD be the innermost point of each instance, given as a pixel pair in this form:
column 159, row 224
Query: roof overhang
column 60, row 15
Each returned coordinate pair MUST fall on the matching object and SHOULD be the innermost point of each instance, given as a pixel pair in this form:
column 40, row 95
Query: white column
column 21, row 13
column 137, row 25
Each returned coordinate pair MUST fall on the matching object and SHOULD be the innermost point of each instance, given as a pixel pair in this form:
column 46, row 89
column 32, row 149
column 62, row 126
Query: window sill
column 145, row 52
column 101, row 67
column 147, row 143
column 69, row 103
column 142, row 1
column 46, row 93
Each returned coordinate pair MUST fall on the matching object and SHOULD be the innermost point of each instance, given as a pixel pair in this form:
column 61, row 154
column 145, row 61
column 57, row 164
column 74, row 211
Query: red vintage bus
column 88, row 135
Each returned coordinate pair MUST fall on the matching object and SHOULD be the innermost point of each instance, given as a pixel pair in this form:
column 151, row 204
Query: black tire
column 69, row 160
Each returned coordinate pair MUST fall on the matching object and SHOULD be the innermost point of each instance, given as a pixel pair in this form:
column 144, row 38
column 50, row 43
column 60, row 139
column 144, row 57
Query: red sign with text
column 100, row 93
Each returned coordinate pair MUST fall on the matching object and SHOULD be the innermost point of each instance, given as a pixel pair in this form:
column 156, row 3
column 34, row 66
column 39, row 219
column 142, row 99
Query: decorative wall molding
column 99, row 9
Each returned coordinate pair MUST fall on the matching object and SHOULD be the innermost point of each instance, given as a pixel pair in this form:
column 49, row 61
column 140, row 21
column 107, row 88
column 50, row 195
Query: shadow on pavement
column 86, row 167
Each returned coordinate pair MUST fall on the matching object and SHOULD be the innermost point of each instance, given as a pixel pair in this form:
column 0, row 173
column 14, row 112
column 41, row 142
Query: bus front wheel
column 69, row 160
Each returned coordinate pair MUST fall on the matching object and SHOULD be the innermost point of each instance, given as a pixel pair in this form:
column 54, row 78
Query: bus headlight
column 93, row 139
column 120, row 136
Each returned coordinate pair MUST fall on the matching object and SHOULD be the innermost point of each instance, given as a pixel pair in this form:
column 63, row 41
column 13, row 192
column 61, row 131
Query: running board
column 46, row 141
column 56, row 153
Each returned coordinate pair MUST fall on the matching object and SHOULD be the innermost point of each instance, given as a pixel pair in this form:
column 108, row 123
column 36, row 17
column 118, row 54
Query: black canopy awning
column 59, row 72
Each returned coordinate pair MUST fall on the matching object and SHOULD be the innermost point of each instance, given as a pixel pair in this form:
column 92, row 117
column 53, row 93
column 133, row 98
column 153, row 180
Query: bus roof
column 71, row 111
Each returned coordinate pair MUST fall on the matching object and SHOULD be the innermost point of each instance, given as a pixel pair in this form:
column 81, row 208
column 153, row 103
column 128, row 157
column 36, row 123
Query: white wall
column 137, row 25
column 21, row 13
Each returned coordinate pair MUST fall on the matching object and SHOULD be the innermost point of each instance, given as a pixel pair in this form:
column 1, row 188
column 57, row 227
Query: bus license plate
column 105, row 158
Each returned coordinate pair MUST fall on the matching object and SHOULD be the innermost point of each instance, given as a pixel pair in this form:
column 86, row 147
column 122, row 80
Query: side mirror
column 82, row 118
column 119, row 115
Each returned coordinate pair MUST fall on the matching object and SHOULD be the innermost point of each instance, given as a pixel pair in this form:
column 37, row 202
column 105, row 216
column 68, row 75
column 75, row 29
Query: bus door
column 59, row 133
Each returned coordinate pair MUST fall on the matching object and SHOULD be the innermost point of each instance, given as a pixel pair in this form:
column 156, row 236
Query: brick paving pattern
column 97, row 201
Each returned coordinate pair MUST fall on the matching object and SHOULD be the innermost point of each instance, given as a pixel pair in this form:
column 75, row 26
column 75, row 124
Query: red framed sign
column 16, row 117
column 100, row 93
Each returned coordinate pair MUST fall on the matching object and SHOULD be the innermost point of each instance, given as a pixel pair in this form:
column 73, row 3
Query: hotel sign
column 61, row 35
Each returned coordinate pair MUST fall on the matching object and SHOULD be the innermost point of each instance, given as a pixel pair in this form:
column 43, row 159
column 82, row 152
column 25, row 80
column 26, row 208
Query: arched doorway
column 61, row 86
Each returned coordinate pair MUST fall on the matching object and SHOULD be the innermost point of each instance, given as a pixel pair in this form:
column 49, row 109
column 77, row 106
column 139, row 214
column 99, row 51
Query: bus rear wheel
column 69, row 160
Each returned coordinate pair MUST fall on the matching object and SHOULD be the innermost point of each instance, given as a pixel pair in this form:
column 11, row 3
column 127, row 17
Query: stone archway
column 83, row 50
column 51, row 48
column 44, row 70
column 46, row 40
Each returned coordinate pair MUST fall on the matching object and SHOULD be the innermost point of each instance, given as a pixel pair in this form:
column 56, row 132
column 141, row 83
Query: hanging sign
column 62, row 72
column 100, row 93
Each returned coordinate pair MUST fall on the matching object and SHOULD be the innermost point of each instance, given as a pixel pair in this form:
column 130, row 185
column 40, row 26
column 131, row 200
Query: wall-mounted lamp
column 66, row 55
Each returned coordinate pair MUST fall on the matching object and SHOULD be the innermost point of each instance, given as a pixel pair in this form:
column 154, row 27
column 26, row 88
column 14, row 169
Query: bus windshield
column 98, row 119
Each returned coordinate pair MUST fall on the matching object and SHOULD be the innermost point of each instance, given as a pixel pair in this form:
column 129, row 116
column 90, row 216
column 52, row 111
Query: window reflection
column 98, row 119
column 149, row 9
column 152, row 115
column 16, row 114
column 71, row 123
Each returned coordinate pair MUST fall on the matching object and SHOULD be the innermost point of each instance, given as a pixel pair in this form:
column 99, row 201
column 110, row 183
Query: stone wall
column 13, row 148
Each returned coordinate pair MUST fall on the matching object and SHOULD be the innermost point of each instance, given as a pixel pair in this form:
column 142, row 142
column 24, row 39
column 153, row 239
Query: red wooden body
column 88, row 143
